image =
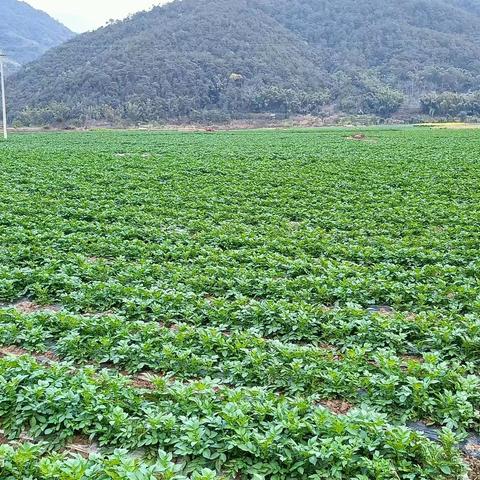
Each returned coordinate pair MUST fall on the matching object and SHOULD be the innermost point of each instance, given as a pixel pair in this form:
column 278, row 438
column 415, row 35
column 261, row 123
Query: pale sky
column 83, row 15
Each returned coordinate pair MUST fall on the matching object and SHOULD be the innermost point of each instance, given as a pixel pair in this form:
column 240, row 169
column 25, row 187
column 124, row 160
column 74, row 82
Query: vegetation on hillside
column 449, row 103
column 26, row 33
column 213, row 59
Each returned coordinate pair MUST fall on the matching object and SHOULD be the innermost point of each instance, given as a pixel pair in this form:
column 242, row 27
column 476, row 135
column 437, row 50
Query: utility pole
column 4, row 102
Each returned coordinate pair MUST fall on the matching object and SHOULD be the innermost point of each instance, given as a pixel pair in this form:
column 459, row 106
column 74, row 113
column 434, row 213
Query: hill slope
column 26, row 33
column 232, row 56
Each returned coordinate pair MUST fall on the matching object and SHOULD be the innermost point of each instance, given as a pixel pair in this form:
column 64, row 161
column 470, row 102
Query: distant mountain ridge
column 198, row 59
column 26, row 33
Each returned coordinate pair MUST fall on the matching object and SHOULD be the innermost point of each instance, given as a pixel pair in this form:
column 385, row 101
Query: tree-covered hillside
column 220, row 58
column 26, row 33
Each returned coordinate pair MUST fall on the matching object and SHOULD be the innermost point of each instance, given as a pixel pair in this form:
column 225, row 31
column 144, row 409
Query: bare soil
column 142, row 381
column 81, row 445
column 338, row 407
column 358, row 136
column 47, row 357
column 474, row 465
column 27, row 306
column 3, row 439
column 384, row 310
column 361, row 137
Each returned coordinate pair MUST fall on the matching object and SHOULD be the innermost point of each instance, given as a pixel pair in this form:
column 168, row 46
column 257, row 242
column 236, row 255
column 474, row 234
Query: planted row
column 249, row 432
column 411, row 388
column 456, row 337
column 147, row 289
column 33, row 461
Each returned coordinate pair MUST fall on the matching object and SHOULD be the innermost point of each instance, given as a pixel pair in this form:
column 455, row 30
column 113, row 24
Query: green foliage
column 425, row 387
column 214, row 59
column 226, row 429
column 287, row 101
column 452, row 104
column 234, row 279
column 33, row 462
column 363, row 93
column 383, row 101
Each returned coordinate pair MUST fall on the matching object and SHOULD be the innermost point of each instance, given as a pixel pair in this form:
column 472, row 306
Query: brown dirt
column 325, row 346
column 25, row 437
column 474, row 465
column 332, row 349
column 47, row 357
column 338, row 407
column 385, row 311
column 472, row 449
column 327, row 308
column 142, row 381
column 81, row 445
column 15, row 351
column 361, row 137
column 27, row 306
column 107, row 313
column 209, row 297
column 3, row 439
column 358, row 136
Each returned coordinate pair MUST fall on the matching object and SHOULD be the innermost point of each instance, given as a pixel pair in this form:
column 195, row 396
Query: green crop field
column 240, row 305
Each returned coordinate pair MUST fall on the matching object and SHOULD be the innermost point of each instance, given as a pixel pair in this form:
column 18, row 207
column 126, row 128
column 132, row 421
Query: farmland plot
column 244, row 305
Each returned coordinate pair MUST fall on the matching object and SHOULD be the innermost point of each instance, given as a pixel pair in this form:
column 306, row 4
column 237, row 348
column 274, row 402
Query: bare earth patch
column 338, row 407
column 78, row 445
column 27, row 306
column 385, row 310
column 82, row 445
column 361, row 137
column 471, row 447
column 294, row 224
column 15, row 351
column 93, row 259
column 474, row 466
column 47, row 357
column 358, row 136
column 142, row 381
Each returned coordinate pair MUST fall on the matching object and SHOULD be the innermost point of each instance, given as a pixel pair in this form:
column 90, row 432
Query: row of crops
column 244, row 305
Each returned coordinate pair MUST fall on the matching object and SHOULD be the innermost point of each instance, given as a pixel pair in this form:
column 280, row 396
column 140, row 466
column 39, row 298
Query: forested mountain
column 26, row 33
column 220, row 58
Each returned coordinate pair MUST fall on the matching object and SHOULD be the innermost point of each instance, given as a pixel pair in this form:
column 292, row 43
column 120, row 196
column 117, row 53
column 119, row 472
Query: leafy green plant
column 257, row 278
